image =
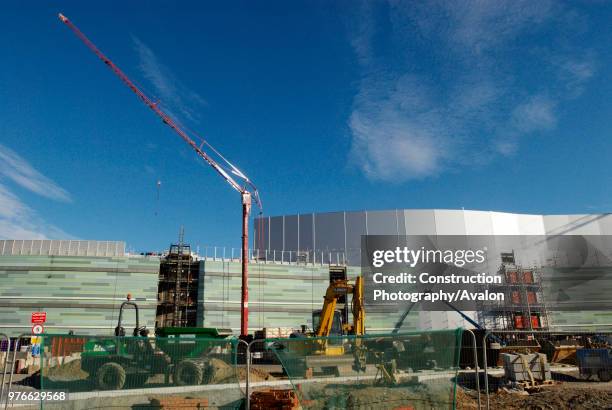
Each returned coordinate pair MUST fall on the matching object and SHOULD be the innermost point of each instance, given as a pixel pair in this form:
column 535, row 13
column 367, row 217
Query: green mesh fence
column 140, row 372
column 392, row 371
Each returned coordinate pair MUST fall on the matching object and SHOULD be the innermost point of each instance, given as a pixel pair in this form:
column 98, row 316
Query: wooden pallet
column 531, row 385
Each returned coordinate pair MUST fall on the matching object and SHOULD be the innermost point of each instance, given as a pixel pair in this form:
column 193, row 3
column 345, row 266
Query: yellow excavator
column 331, row 321
column 329, row 346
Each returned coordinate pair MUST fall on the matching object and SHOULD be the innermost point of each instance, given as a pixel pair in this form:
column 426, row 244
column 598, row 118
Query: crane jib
column 245, row 195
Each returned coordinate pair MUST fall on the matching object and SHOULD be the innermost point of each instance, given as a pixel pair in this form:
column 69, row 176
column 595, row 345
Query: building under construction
column 177, row 292
column 523, row 307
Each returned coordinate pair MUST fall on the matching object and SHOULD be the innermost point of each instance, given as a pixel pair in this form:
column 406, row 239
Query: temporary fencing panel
column 133, row 371
column 408, row 370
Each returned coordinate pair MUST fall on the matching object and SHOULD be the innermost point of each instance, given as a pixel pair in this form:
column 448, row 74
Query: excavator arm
column 329, row 308
column 335, row 290
column 358, row 308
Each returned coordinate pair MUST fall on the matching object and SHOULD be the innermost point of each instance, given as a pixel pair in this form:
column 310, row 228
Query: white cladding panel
column 340, row 231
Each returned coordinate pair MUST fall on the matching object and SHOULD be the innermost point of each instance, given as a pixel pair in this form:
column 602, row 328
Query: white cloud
column 575, row 72
column 396, row 133
column 10, row 206
column 21, row 172
column 537, row 113
column 18, row 220
column 440, row 86
column 171, row 92
column 480, row 25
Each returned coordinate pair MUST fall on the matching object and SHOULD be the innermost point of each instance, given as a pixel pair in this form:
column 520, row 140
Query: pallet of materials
column 273, row 333
column 526, row 367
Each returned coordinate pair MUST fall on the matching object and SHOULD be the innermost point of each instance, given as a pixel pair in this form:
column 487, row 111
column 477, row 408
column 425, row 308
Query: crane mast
column 245, row 194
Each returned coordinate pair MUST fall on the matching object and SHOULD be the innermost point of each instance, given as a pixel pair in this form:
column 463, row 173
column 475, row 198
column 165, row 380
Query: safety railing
column 306, row 257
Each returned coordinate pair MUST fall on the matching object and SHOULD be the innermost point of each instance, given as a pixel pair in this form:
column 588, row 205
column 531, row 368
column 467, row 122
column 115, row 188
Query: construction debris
column 178, row 403
column 285, row 399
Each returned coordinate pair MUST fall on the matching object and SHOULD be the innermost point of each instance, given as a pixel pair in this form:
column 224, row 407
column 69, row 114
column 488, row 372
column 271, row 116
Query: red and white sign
column 37, row 329
column 38, row 318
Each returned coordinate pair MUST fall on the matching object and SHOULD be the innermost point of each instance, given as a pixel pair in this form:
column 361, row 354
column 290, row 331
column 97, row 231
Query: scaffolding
column 177, row 291
column 523, row 307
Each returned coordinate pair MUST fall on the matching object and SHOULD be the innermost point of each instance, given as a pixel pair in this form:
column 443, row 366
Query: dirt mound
column 218, row 371
column 257, row 375
column 562, row 396
column 68, row 371
column 557, row 397
column 466, row 401
column 54, row 375
column 366, row 396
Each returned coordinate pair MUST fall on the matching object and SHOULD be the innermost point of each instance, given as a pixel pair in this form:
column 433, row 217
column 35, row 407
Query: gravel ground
column 565, row 395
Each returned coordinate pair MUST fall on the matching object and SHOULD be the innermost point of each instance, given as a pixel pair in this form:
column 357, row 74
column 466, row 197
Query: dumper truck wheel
column 604, row 375
column 188, row 373
column 110, row 376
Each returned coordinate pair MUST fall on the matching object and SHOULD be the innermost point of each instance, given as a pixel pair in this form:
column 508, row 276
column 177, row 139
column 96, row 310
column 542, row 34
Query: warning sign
column 38, row 318
column 37, row 329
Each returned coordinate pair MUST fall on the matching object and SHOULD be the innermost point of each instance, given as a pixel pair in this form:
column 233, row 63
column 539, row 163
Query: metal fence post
column 15, row 348
column 6, row 360
column 476, row 370
column 484, row 364
column 248, row 378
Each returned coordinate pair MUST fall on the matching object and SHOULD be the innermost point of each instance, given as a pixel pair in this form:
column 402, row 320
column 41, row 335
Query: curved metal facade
column 321, row 233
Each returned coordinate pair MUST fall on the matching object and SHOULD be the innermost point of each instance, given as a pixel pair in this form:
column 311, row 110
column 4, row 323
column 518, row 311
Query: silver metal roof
column 53, row 247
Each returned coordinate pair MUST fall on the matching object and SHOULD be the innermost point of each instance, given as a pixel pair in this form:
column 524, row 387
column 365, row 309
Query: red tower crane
column 225, row 173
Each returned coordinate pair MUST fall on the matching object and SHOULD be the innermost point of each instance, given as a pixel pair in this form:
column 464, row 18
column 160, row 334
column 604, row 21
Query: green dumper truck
column 183, row 354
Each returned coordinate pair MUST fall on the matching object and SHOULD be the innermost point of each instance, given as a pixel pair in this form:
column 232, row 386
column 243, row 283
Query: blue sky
column 326, row 106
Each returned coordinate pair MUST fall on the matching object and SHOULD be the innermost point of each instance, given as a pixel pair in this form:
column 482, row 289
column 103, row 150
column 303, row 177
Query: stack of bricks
column 285, row 399
column 178, row 403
